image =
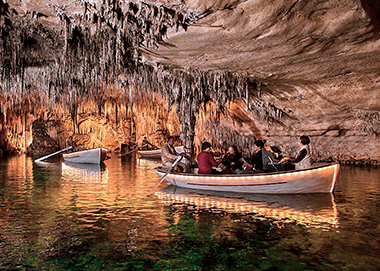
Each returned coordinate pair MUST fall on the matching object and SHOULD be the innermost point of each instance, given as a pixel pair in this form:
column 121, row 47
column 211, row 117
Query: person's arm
column 213, row 162
column 166, row 152
column 175, row 151
column 301, row 155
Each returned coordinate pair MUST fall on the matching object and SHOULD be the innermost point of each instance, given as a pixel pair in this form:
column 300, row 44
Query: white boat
column 92, row 156
column 320, row 178
column 156, row 154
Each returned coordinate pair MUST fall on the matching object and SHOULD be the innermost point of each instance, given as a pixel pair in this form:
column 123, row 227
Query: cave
column 228, row 72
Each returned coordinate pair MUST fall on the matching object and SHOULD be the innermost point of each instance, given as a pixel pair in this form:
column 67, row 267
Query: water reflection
column 85, row 173
column 148, row 163
column 56, row 216
column 317, row 210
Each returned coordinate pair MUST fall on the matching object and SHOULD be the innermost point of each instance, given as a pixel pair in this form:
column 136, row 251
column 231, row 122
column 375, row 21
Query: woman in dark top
column 232, row 160
column 206, row 160
column 257, row 157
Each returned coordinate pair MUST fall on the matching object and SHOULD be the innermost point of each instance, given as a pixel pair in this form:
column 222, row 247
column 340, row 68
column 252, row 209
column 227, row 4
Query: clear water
column 55, row 216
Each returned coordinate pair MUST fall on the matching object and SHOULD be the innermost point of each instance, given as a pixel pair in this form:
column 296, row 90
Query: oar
column 131, row 151
column 188, row 157
column 167, row 172
column 47, row 156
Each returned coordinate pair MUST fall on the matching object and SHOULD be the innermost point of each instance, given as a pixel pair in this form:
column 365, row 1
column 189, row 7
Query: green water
column 55, row 216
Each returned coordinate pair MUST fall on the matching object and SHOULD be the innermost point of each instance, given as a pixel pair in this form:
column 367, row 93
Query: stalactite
column 72, row 67
column 265, row 111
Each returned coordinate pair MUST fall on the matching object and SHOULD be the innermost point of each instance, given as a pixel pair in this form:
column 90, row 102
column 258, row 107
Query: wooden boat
column 320, row 178
column 156, row 154
column 315, row 210
column 93, row 156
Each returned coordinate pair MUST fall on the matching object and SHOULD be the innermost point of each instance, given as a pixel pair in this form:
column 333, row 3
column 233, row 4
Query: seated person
column 256, row 161
column 232, row 160
column 206, row 160
column 169, row 155
column 269, row 162
column 146, row 145
column 71, row 143
column 303, row 159
column 277, row 153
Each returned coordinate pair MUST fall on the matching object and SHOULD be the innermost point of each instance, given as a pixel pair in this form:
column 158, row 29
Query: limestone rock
column 42, row 143
column 272, row 70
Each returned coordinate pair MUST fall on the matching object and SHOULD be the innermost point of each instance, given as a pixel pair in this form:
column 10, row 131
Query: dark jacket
column 257, row 160
column 229, row 159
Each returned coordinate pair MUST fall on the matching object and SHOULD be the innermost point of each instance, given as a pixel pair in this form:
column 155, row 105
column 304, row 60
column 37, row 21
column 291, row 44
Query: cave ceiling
column 332, row 42
column 314, row 60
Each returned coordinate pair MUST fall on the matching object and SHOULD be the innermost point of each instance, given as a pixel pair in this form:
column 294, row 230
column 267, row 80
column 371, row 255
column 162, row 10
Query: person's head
column 232, row 149
column 170, row 140
column 145, row 138
column 70, row 138
column 259, row 144
column 206, row 146
column 305, row 140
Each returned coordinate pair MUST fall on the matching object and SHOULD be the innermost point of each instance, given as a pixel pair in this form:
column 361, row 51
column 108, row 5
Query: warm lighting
column 88, row 173
column 250, row 177
column 320, row 179
column 325, row 218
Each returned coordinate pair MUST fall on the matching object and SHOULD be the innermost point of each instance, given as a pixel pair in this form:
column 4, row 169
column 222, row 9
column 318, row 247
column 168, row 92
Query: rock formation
column 233, row 70
column 42, row 143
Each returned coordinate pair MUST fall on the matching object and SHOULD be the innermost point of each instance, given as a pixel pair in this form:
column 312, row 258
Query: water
column 55, row 216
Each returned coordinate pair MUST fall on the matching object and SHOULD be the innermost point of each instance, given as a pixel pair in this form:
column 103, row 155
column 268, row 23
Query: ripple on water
column 53, row 210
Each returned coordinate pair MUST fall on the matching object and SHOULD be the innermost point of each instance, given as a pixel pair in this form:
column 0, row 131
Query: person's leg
column 185, row 168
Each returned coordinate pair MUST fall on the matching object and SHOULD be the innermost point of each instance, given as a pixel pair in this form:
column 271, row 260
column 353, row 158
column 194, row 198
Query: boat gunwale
column 149, row 151
column 156, row 150
column 83, row 151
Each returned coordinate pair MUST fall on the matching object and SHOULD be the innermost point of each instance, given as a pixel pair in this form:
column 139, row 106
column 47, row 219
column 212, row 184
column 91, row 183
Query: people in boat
column 206, row 160
column 169, row 155
column 232, row 160
column 146, row 145
column 277, row 153
column 303, row 159
column 71, row 143
column 256, row 160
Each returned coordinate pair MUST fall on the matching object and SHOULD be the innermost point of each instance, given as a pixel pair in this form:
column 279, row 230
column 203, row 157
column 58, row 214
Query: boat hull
column 156, row 154
column 320, row 178
column 93, row 156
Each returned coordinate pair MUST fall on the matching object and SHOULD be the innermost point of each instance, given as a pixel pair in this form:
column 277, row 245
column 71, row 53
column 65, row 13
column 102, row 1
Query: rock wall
column 347, row 142
column 233, row 71
column 42, row 143
column 113, row 126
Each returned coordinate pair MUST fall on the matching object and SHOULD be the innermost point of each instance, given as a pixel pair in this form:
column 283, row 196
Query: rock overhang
column 314, row 62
